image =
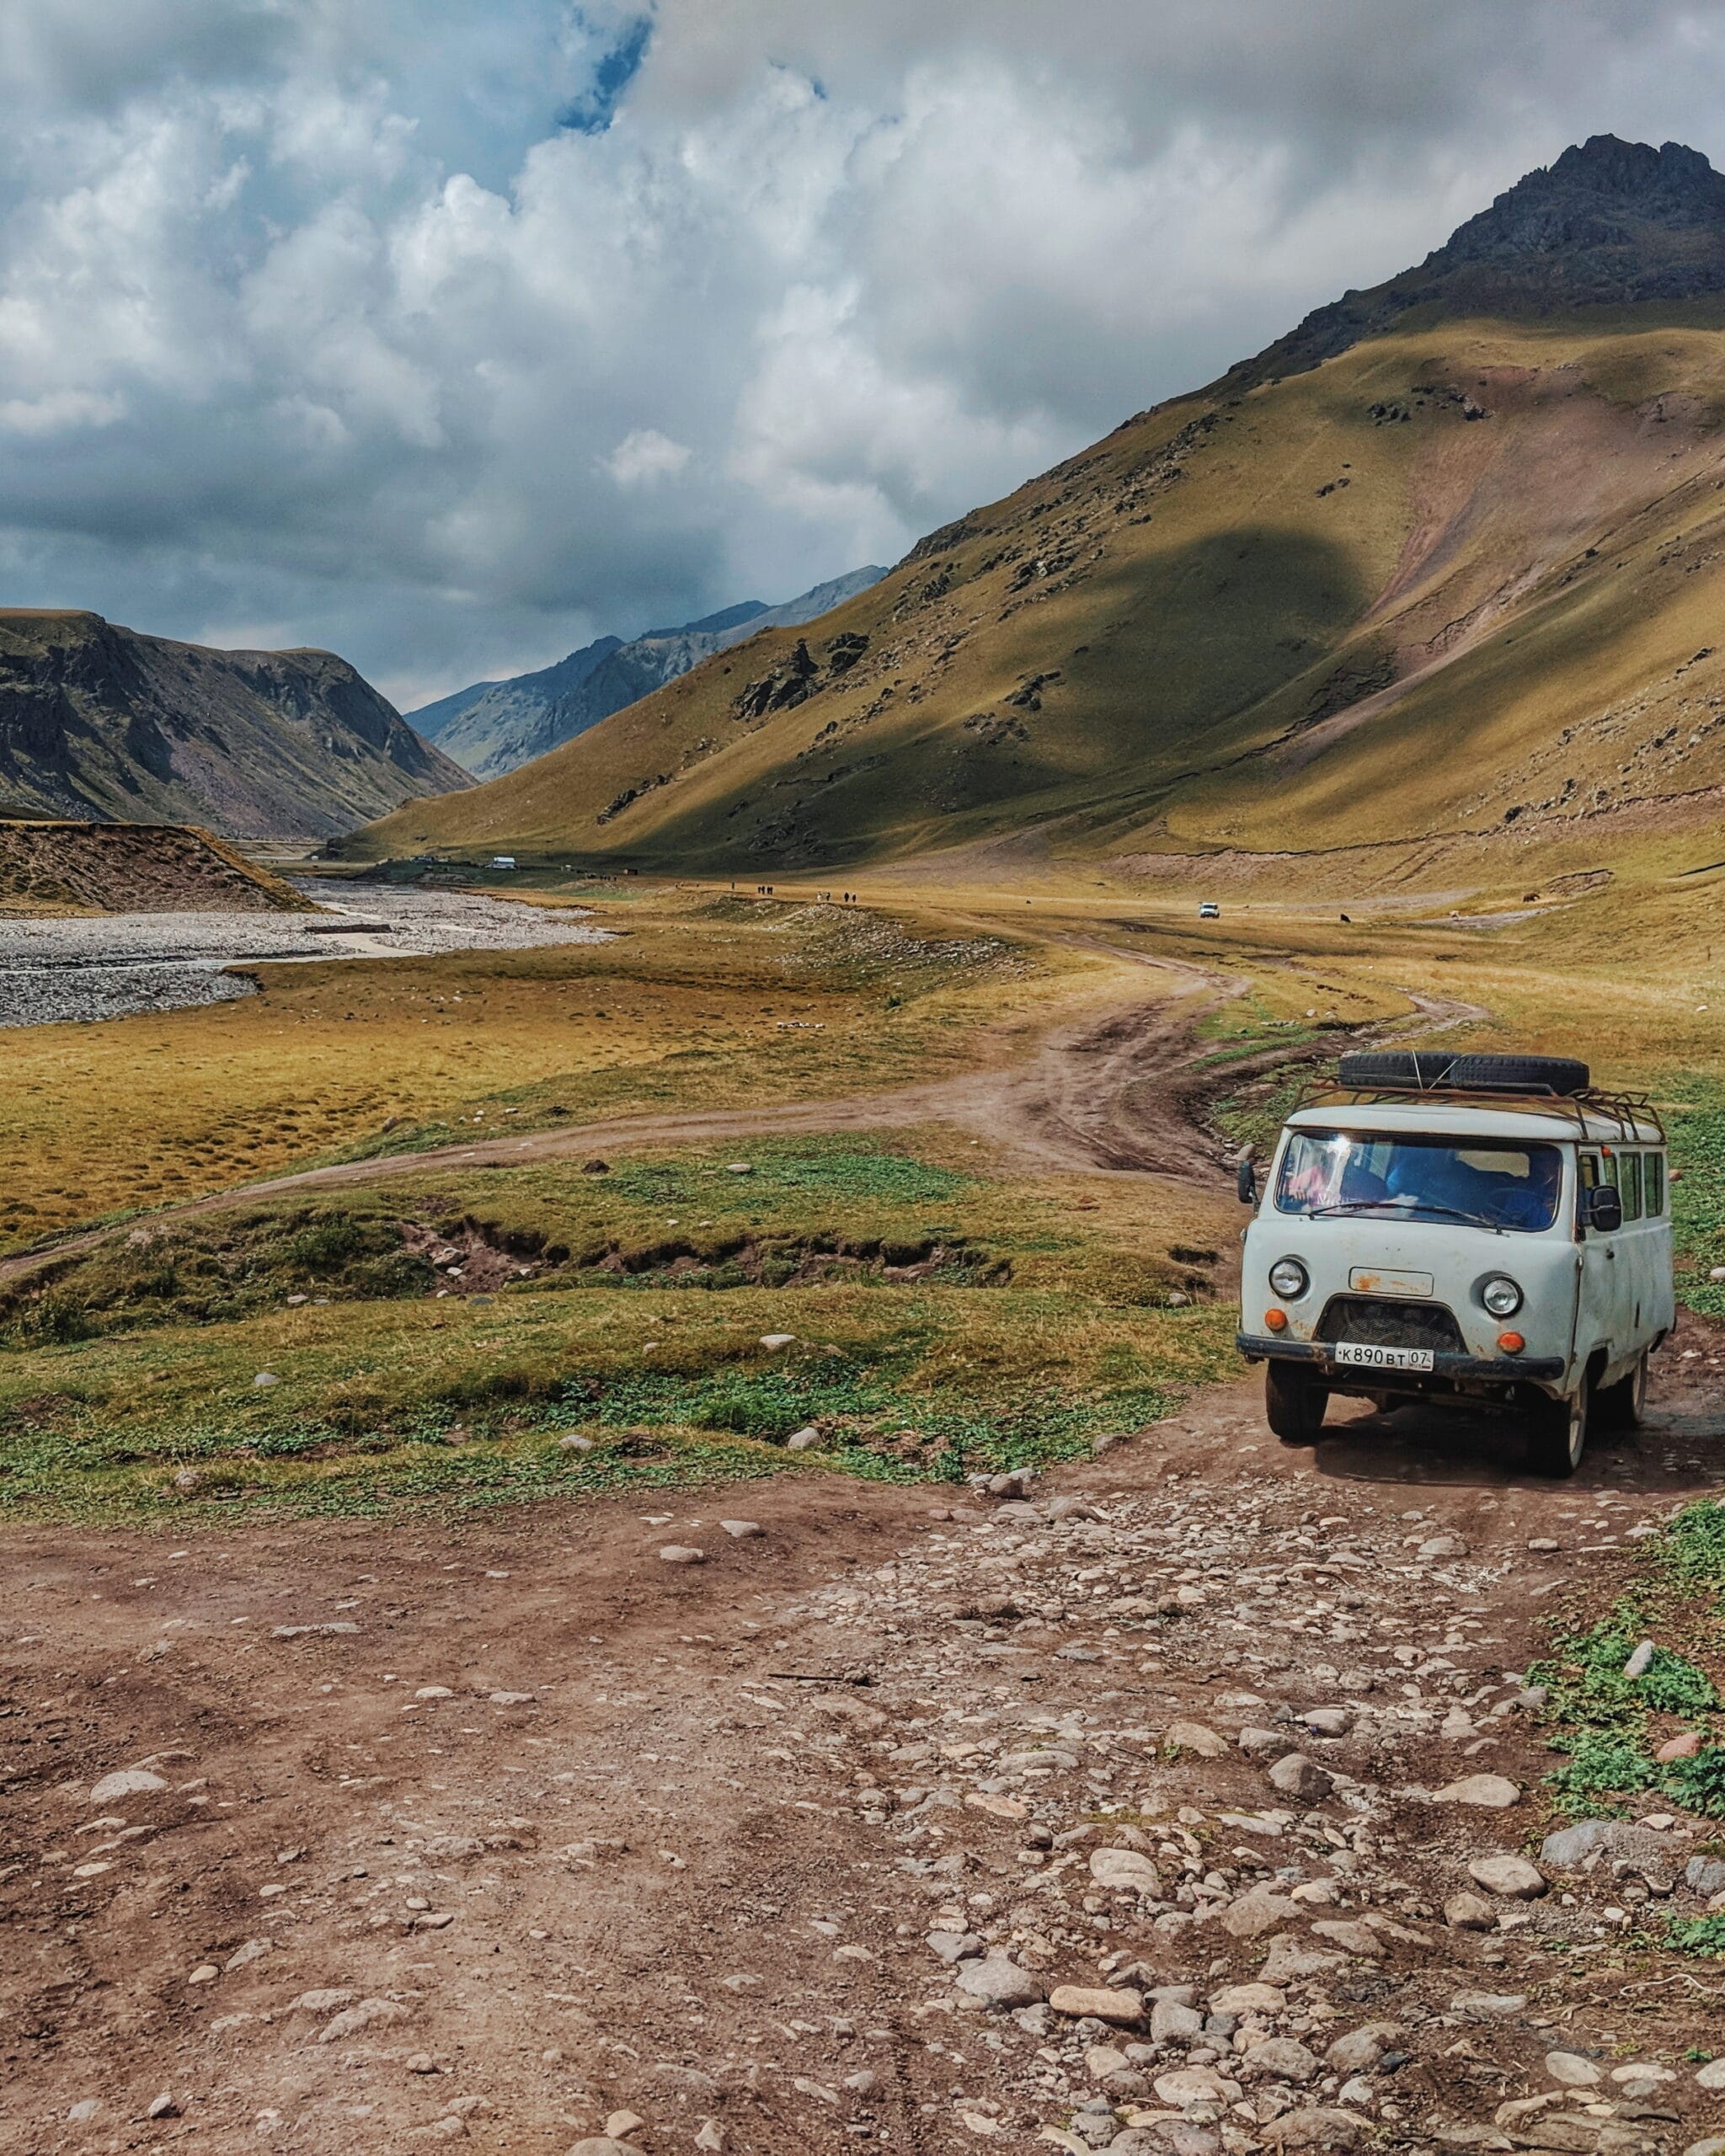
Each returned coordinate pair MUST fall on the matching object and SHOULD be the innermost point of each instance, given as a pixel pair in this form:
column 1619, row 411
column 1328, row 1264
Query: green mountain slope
column 1423, row 572
column 99, row 722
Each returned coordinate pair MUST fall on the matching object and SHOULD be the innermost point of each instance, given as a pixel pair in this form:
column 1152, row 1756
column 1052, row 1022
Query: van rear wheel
column 1624, row 1406
column 1294, row 1403
column 1556, row 1432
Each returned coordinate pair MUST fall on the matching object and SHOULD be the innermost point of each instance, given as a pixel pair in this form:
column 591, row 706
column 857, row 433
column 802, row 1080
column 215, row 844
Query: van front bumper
column 1497, row 1369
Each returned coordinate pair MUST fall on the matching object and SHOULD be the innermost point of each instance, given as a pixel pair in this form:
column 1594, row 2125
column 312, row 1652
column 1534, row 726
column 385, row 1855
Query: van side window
column 1587, row 1177
column 1656, row 1185
column 1629, row 1184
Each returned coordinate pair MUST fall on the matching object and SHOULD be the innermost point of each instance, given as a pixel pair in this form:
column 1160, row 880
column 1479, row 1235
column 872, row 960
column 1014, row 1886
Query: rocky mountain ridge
column 498, row 726
column 103, row 724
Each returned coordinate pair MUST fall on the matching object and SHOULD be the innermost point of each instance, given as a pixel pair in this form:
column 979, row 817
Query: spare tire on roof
column 1561, row 1074
column 1399, row 1069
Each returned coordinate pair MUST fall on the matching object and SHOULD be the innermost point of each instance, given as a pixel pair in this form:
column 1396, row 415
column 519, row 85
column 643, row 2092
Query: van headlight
column 1501, row 1296
column 1288, row 1277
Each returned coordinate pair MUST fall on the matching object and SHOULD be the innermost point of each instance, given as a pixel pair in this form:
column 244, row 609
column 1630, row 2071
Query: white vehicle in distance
column 1486, row 1231
column 1208, row 910
column 502, row 860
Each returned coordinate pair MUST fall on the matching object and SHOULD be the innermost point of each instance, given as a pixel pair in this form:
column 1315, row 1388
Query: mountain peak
column 1610, row 223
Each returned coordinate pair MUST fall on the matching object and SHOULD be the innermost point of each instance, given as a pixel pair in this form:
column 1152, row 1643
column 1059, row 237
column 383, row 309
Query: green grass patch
column 1703, row 1935
column 1609, row 1724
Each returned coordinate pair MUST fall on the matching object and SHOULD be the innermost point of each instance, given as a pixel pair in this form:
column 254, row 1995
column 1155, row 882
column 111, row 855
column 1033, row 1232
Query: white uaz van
column 1486, row 1230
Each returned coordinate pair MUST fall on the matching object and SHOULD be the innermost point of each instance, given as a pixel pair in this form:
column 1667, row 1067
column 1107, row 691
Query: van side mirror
column 1604, row 1209
column 1246, row 1182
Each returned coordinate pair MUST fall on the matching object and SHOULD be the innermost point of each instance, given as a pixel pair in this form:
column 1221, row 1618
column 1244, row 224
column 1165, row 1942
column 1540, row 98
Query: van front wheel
column 1293, row 1402
column 1556, row 1432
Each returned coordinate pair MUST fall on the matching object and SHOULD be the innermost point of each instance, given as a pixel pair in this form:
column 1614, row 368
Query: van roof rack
column 1626, row 1110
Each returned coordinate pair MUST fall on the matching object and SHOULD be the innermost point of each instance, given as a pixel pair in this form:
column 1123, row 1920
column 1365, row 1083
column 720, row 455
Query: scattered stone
column 254, row 1950
column 161, row 2107
column 1170, row 2020
column 129, row 1781
column 601, row 2144
column 419, row 2062
column 1441, row 1546
column 1301, row 1779
column 510, row 1699
column 1248, row 1998
column 1572, row 2070
column 1488, row 2006
column 621, row 2124
column 998, row 1980
column 1125, row 1870
column 86, row 2108
column 206, row 1973
column 1714, row 2145
column 1291, row 1960
column 1125, row 2009
column 1195, row 2085
column 740, row 1530
column 682, row 1553
column 739, row 1168
column 1351, row 1938
column 772, row 1341
column 1492, row 1791
column 1641, row 1848
column 368, row 2013
column 1317, row 2128
column 263, row 1381
column 320, row 2002
column 1328, row 1721
column 596, row 1167
column 1264, row 1743
column 1466, row 1912
column 1682, row 1747
column 1258, row 1910
column 1641, row 1661
column 1361, row 2049
column 1193, row 1736
column 1282, row 2058
column 1712, row 2076
column 1511, row 1877
column 802, row 1440
column 955, row 1946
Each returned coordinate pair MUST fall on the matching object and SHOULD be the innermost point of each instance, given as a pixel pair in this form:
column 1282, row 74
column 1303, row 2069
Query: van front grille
column 1376, row 1323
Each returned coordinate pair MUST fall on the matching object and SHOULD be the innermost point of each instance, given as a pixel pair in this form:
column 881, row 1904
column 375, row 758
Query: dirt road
column 1107, row 1092
column 491, row 1832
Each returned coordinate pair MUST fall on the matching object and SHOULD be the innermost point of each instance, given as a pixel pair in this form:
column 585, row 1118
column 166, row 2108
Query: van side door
column 1605, row 1294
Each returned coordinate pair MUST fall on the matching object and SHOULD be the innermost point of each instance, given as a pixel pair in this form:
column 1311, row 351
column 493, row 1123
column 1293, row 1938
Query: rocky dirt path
column 1172, row 1811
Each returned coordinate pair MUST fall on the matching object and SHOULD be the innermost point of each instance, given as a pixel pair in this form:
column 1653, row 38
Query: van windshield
column 1489, row 1182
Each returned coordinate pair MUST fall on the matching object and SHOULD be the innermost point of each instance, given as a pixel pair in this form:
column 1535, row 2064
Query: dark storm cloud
column 450, row 337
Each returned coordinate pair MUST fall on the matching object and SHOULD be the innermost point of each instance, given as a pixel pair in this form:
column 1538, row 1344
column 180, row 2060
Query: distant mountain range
column 1432, row 586
column 104, row 724
column 495, row 727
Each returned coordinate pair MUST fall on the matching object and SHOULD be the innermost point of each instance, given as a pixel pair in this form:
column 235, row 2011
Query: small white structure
column 502, row 860
column 1210, row 910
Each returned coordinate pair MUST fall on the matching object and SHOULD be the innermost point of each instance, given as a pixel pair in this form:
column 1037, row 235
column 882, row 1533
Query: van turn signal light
column 1277, row 1321
column 1512, row 1343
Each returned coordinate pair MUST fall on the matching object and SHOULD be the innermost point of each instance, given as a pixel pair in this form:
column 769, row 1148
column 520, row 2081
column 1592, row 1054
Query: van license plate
column 1383, row 1358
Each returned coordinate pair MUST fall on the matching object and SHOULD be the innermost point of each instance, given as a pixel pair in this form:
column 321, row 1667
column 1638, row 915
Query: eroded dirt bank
column 490, row 1832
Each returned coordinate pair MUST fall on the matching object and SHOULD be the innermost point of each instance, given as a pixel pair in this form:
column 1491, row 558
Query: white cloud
column 312, row 313
column 644, row 456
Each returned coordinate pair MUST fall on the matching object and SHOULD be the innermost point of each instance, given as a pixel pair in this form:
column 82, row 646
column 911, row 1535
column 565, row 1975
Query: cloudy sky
column 451, row 333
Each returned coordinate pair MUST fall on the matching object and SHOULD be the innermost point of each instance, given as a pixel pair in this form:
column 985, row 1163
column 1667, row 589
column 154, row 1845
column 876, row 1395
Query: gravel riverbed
column 110, row 967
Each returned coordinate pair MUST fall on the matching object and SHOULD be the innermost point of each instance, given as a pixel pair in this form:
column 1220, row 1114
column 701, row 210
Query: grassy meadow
column 700, row 1002
column 462, row 1335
